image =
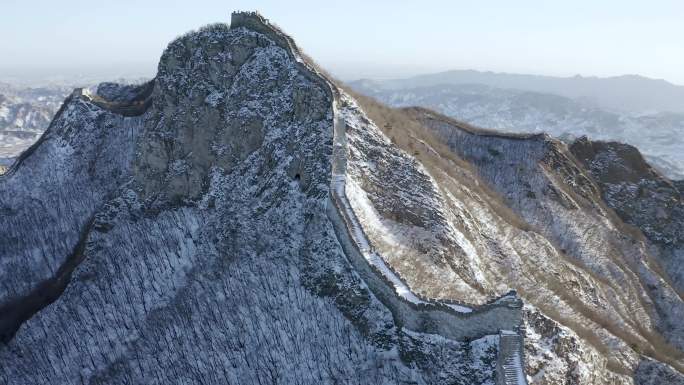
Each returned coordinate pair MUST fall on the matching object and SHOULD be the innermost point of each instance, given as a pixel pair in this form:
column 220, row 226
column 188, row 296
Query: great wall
column 502, row 316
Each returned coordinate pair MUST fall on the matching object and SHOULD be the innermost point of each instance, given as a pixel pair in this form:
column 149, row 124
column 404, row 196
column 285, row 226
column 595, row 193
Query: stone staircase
column 509, row 367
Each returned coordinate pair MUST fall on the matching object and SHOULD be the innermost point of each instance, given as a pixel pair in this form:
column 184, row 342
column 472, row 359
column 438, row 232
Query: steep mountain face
column 187, row 235
column 578, row 263
column 657, row 135
column 641, row 197
column 241, row 219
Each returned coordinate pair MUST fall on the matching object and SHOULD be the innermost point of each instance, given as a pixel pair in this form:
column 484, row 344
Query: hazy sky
column 355, row 38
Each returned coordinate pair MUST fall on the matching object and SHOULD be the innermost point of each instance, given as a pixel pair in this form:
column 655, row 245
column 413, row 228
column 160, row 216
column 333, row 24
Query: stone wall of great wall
column 257, row 23
column 426, row 317
column 509, row 364
column 501, row 317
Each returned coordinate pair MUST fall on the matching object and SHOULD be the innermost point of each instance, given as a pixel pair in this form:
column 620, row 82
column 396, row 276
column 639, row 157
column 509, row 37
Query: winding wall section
column 422, row 315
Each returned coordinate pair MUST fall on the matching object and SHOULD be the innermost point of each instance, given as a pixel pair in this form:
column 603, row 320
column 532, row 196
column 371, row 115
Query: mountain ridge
column 213, row 253
column 511, row 110
column 613, row 93
column 172, row 215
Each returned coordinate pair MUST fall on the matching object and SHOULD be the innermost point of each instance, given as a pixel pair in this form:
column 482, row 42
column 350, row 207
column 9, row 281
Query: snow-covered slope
column 183, row 236
column 241, row 219
column 577, row 262
column 641, row 196
column 28, row 109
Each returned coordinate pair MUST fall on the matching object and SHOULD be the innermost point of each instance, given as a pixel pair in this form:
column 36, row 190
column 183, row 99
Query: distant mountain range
column 626, row 94
column 28, row 108
column 657, row 134
column 25, row 112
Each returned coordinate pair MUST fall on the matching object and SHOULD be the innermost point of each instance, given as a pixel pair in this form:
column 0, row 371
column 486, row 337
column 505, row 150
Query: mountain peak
column 241, row 219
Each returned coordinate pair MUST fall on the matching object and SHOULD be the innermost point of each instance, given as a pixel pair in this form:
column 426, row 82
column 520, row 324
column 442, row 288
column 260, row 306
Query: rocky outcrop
column 240, row 219
column 642, row 197
column 587, row 252
column 190, row 237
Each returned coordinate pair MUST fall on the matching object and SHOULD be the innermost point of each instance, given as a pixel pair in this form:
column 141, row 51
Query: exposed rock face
column 181, row 236
column 592, row 268
column 240, row 219
column 641, row 197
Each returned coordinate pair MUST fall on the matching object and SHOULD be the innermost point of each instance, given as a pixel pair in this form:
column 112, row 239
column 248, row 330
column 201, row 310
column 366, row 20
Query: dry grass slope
column 403, row 127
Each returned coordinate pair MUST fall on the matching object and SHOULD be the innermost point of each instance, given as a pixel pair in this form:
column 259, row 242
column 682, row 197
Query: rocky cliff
column 574, row 260
column 241, row 219
column 642, row 197
column 179, row 232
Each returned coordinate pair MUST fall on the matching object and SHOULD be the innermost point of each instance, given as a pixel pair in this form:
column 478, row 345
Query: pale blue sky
column 367, row 38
